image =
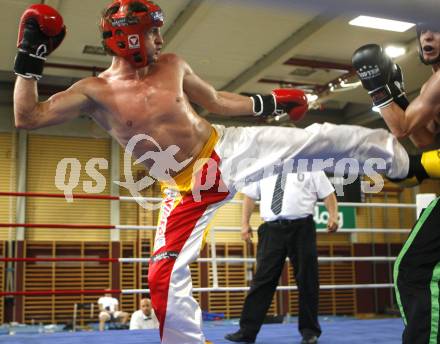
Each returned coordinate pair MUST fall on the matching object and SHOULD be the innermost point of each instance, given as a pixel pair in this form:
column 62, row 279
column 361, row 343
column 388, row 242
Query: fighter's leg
column 103, row 318
column 417, row 277
column 425, row 165
column 246, row 152
column 178, row 241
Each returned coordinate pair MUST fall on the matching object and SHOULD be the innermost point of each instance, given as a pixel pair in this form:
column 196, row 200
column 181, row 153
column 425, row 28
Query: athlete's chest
column 143, row 100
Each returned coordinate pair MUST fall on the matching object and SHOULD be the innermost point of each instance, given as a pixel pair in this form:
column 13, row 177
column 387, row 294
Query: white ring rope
column 224, row 289
column 238, row 229
column 375, row 205
column 341, row 204
column 253, row 260
column 139, row 199
column 341, row 230
column 214, row 260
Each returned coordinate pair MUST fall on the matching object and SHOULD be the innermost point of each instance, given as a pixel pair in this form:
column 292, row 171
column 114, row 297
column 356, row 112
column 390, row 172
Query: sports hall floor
column 336, row 330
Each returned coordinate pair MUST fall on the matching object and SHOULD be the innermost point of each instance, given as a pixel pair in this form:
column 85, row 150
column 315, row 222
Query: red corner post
column 19, row 282
column 116, row 267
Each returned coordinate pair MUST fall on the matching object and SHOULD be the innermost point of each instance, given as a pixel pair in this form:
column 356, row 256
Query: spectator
column 109, row 310
column 144, row 318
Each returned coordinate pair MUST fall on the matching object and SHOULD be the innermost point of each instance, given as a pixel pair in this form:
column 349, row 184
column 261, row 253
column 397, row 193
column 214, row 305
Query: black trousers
column 295, row 239
column 416, row 279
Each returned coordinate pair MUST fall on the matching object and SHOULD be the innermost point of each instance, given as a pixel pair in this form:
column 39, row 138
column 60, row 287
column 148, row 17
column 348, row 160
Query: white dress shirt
column 139, row 321
column 301, row 192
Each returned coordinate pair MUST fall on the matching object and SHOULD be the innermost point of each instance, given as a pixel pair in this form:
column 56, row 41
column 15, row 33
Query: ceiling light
column 395, row 51
column 302, row 72
column 381, row 23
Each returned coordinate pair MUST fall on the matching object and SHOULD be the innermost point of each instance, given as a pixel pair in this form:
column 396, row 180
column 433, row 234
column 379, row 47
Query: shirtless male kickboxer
column 144, row 92
column 417, row 268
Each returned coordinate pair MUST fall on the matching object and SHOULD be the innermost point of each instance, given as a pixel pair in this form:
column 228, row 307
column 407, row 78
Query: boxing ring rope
column 82, row 196
column 214, row 260
column 56, row 225
column 341, row 230
column 215, row 288
column 199, row 260
column 157, row 199
column 196, row 290
column 221, row 229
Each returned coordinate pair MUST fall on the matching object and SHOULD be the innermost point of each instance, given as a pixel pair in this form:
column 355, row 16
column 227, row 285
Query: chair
column 79, row 306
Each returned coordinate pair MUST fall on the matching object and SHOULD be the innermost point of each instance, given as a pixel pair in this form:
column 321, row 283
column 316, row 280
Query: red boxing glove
column 292, row 101
column 41, row 32
column 49, row 21
column 283, row 100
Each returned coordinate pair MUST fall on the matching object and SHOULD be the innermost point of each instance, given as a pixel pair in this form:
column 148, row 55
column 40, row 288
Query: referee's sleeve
column 322, row 184
column 252, row 191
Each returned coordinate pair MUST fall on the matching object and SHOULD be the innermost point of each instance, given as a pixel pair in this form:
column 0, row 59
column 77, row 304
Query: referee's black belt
column 289, row 222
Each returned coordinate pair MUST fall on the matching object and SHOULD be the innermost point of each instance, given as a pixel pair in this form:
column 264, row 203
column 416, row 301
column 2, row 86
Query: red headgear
column 123, row 26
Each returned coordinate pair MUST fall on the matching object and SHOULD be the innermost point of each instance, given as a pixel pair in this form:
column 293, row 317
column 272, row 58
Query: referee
column 287, row 207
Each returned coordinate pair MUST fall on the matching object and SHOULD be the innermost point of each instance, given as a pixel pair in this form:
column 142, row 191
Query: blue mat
column 384, row 331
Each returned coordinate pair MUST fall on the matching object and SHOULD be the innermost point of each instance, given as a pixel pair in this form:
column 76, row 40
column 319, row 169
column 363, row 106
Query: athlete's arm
column 415, row 122
column 383, row 80
column 279, row 101
column 423, row 110
column 30, row 113
column 41, row 31
column 219, row 102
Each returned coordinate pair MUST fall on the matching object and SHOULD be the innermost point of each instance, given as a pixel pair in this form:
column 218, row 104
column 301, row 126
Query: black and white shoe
column 240, row 337
column 309, row 339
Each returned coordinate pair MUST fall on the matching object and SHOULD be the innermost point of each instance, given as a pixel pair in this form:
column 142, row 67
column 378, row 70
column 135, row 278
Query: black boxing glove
column 397, row 87
column 374, row 68
column 41, row 32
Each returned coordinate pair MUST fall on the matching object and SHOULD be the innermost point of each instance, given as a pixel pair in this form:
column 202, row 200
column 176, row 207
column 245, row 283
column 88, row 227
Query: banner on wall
column 347, row 217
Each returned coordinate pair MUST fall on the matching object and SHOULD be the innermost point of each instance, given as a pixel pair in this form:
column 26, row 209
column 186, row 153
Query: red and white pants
column 234, row 157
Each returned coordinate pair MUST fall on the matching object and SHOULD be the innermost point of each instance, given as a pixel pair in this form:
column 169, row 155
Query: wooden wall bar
column 99, row 275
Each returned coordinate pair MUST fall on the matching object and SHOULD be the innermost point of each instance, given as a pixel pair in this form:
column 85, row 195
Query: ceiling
column 246, row 46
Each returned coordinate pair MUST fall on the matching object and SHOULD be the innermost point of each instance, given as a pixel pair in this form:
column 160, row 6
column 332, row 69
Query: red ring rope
column 55, row 195
column 60, row 292
column 56, row 225
column 67, row 259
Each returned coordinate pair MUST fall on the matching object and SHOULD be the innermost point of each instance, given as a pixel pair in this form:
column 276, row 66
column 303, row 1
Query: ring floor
column 384, row 331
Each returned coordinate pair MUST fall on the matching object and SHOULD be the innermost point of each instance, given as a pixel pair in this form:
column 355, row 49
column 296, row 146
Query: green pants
column 416, row 279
